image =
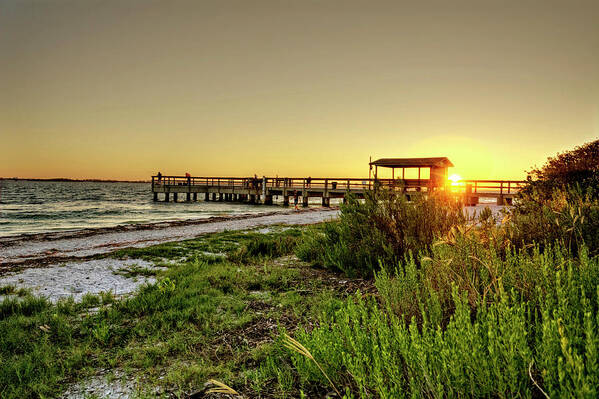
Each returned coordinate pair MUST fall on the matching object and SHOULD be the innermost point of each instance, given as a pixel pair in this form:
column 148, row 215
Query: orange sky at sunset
column 122, row 89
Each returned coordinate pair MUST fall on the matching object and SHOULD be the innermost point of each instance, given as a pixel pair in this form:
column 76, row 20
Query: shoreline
column 6, row 241
column 39, row 249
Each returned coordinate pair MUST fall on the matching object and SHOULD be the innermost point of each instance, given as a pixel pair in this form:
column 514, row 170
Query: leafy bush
column 570, row 217
column 383, row 229
column 560, row 202
column 579, row 167
column 509, row 346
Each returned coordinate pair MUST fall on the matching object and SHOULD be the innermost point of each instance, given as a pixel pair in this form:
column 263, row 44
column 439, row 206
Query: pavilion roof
column 439, row 162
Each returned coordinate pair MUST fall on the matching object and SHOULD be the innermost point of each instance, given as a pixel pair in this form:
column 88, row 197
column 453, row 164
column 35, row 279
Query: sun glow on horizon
column 455, row 179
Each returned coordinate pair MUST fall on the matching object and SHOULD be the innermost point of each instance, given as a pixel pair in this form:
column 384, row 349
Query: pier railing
column 500, row 187
column 342, row 183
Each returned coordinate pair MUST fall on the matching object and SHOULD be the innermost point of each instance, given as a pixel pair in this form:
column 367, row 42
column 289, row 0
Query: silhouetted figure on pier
column 159, row 175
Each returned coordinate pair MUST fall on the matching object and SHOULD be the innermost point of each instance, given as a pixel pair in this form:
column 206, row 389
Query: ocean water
column 36, row 207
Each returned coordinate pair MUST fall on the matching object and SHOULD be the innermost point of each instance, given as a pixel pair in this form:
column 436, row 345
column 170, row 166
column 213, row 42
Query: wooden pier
column 266, row 190
column 263, row 190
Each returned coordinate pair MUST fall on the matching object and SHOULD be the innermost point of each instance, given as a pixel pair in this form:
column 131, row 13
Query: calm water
column 34, row 207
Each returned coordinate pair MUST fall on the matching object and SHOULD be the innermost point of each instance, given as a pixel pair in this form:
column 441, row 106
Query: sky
column 124, row 89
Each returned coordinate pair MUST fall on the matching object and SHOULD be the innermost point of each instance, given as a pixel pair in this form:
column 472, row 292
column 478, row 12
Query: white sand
column 109, row 385
column 79, row 278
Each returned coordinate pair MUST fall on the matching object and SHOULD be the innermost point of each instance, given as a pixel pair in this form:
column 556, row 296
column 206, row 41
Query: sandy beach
column 41, row 249
column 61, row 265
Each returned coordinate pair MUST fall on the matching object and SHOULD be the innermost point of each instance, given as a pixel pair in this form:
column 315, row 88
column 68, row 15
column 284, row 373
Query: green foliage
column 383, row 229
column 266, row 246
column 577, row 167
column 215, row 247
column 569, row 216
column 376, row 348
column 201, row 319
column 12, row 290
column 560, row 201
column 506, row 310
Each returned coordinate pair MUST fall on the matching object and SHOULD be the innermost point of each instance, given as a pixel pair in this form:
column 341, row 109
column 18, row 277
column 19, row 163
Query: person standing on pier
column 159, row 175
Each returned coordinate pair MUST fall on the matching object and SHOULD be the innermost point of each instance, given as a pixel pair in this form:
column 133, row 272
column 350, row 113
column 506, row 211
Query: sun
column 455, row 179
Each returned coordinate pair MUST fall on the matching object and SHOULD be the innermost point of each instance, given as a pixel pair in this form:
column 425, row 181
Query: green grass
column 206, row 317
column 212, row 247
column 135, row 270
column 12, row 290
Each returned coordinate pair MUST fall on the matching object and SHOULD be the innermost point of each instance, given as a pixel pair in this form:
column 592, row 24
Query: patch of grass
column 214, row 247
column 7, row 289
column 266, row 247
column 136, row 270
column 13, row 290
column 204, row 318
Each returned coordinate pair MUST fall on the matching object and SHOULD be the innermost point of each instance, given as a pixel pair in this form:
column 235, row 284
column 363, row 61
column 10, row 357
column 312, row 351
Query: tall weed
column 382, row 229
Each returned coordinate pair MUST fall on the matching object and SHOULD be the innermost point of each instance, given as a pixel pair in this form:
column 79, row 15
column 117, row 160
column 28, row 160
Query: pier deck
column 263, row 190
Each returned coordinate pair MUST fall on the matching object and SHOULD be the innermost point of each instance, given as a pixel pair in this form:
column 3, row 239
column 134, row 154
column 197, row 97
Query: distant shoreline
column 64, row 179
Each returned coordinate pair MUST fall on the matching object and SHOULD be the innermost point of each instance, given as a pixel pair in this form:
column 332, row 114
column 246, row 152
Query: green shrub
column 569, row 216
column 382, row 229
column 560, row 202
column 576, row 167
column 495, row 348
